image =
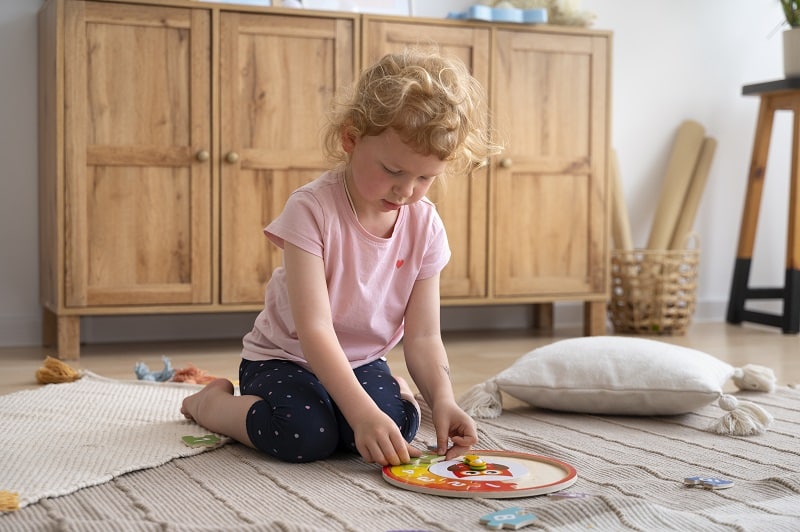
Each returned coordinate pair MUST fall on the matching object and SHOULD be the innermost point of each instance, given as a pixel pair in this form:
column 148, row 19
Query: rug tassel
column 54, row 372
column 752, row 377
column 482, row 400
column 742, row 418
column 9, row 501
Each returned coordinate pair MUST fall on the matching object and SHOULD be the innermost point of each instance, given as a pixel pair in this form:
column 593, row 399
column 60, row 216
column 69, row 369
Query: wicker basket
column 653, row 292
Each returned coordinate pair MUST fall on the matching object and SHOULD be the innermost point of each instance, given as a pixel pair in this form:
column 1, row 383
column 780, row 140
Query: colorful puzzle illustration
column 489, row 474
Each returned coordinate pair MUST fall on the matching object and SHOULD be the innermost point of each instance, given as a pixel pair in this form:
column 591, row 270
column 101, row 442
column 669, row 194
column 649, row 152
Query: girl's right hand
column 379, row 441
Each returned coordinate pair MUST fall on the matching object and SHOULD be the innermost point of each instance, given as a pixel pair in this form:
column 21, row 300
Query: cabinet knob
column 203, row 156
column 506, row 163
column 232, row 157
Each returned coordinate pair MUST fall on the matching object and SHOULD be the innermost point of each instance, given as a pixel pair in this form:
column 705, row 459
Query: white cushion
column 616, row 375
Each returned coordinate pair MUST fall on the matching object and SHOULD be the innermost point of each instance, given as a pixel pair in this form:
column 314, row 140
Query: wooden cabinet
column 136, row 101
column 278, row 74
column 532, row 226
column 171, row 132
column 549, row 196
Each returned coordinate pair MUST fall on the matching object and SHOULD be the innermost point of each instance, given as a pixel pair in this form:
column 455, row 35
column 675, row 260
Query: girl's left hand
column 452, row 423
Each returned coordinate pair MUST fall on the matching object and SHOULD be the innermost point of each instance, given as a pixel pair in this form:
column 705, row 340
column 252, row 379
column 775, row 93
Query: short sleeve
column 437, row 254
column 301, row 223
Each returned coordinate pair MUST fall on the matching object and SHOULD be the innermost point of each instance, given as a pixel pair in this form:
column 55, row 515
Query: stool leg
column 752, row 204
column 791, row 302
column 791, row 294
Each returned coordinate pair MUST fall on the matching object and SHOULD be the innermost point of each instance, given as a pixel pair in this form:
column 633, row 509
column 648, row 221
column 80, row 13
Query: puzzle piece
column 209, row 440
column 426, row 459
column 708, row 483
column 511, row 518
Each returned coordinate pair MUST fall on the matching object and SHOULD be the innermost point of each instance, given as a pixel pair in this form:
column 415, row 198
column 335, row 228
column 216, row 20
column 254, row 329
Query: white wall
column 19, row 268
column 688, row 59
column 676, row 60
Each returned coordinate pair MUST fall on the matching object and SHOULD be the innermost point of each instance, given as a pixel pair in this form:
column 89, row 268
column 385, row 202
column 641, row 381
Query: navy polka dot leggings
column 297, row 421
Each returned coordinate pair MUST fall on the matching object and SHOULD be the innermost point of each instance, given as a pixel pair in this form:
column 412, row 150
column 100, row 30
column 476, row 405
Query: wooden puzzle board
column 508, row 475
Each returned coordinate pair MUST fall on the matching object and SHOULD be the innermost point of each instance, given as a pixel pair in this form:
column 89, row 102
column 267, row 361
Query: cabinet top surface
column 233, row 6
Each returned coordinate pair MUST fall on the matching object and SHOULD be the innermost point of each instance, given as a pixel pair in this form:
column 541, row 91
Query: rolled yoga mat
column 675, row 185
column 693, row 196
column 620, row 223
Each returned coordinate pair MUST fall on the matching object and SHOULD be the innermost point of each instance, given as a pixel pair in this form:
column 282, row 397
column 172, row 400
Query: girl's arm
column 426, row 360
column 377, row 438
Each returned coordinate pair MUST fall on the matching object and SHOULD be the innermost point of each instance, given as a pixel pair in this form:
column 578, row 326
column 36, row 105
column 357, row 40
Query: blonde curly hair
column 431, row 101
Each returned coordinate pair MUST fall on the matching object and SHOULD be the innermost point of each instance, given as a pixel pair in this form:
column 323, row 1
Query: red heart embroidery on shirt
column 400, row 262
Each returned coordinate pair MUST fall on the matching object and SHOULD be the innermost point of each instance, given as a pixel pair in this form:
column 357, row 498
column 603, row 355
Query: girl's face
column 386, row 173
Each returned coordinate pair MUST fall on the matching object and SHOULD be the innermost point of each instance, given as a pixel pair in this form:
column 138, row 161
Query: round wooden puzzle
column 489, row 474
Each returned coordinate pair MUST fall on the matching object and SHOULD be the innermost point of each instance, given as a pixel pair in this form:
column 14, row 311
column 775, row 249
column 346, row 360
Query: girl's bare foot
column 194, row 403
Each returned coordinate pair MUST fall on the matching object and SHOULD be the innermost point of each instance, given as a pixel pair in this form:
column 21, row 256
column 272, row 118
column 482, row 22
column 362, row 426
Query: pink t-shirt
column 369, row 278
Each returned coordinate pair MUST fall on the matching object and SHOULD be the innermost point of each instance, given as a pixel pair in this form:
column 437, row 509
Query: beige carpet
column 63, row 437
column 633, row 468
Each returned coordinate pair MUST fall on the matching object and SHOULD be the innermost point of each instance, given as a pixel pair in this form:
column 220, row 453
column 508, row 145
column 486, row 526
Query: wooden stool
column 775, row 95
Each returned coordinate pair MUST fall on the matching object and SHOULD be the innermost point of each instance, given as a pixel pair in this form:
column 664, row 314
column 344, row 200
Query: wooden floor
column 474, row 356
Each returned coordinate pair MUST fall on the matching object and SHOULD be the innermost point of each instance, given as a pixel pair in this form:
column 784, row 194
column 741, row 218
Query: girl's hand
column 450, row 422
column 379, row 441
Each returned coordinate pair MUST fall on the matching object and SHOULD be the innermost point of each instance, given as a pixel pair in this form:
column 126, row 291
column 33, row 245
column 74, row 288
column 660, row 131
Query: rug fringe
column 54, row 372
column 741, row 418
column 483, row 400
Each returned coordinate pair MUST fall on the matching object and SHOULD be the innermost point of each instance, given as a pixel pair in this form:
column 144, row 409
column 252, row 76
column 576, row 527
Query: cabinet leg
column 594, row 318
column 63, row 333
column 69, row 337
column 543, row 316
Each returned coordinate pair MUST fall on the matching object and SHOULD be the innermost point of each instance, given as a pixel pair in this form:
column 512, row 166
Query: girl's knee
column 293, row 436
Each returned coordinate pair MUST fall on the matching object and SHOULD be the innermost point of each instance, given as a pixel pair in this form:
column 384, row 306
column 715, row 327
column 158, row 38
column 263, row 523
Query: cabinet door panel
column 278, row 75
column 549, row 206
column 461, row 200
column 137, row 105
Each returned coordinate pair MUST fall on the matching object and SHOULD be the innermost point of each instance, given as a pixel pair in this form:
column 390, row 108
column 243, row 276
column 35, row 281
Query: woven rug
column 63, row 437
column 631, row 468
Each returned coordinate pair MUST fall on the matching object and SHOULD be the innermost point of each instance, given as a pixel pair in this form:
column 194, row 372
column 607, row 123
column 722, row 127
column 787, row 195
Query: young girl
column 362, row 252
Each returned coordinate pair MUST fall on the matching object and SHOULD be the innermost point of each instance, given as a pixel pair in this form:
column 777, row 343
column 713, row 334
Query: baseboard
column 26, row 330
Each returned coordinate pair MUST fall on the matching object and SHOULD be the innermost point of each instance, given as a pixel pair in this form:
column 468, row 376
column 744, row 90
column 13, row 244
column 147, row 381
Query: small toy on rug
column 9, row 501
column 192, row 375
column 54, row 372
column 513, row 518
column 209, row 440
column 143, row 372
column 708, row 483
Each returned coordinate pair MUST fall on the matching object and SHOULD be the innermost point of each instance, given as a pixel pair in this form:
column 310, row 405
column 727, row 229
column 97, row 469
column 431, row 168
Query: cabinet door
column 549, row 196
column 460, row 199
column 136, row 113
column 278, row 75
